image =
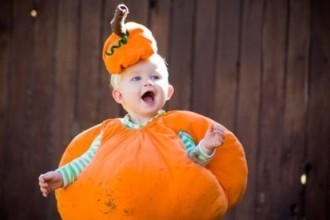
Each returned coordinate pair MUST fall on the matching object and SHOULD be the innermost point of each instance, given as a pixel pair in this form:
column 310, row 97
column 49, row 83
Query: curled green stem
column 120, row 42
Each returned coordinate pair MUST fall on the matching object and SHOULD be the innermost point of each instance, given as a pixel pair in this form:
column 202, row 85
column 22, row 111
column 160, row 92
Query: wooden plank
column 65, row 77
column 295, row 112
column 6, row 21
column 248, row 105
column 226, row 62
column 42, row 101
column 318, row 127
column 180, row 54
column 88, row 93
column 5, row 35
column 271, row 125
column 203, row 60
column 160, row 24
column 18, row 114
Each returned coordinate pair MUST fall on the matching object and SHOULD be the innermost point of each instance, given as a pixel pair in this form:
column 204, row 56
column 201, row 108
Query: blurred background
column 259, row 67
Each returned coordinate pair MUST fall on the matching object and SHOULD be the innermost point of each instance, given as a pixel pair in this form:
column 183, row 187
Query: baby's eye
column 155, row 77
column 136, row 78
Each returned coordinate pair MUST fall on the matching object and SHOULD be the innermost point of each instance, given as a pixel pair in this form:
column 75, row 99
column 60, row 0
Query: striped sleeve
column 71, row 171
column 194, row 152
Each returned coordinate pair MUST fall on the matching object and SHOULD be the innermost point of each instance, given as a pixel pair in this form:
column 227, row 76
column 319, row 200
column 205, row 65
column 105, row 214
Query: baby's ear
column 170, row 91
column 117, row 96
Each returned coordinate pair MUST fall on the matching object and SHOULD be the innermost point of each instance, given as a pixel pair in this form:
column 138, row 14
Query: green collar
column 128, row 122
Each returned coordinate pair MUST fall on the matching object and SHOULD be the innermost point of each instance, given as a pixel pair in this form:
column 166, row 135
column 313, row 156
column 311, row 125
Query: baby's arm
column 205, row 150
column 213, row 138
column 49, row 182
column 68, row 173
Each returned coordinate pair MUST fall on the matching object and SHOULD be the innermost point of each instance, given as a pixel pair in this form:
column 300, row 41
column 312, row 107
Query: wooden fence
column 260, row 67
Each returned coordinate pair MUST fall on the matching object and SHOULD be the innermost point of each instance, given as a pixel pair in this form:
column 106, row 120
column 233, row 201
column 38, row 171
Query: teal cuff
column 199, row 156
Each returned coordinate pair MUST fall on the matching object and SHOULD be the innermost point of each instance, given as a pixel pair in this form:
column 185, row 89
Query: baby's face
column 144, row 89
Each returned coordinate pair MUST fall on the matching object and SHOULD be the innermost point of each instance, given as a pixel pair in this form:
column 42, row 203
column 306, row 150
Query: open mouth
column 148, row 97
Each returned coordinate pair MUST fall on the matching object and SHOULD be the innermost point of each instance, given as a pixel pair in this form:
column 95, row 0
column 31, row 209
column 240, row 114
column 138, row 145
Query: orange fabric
column 146, row 174
column 140, row 45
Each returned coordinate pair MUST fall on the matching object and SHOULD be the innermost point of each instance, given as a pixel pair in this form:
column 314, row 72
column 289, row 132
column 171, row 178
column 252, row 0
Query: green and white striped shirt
column 71, row 171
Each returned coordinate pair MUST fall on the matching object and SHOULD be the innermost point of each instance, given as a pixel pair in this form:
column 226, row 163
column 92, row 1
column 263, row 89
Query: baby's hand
column 213, row 138
column 50, row 181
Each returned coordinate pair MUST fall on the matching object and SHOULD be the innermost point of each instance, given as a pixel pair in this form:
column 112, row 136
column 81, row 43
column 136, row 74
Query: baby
column 150, row 164
column 142, row 90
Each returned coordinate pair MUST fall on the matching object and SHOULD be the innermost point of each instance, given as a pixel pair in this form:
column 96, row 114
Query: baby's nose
column 148, row 83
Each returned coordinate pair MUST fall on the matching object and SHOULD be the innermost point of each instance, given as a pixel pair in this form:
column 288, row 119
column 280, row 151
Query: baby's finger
column 210, row 129
column 44, row 185
column 45, row 194
column 219, row 138
column 217, row 128
column 43, row 190
column 41, row 178
column 219, row 132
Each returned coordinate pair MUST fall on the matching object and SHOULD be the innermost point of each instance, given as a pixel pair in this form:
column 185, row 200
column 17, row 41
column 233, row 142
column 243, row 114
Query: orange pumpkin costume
column 146, row 174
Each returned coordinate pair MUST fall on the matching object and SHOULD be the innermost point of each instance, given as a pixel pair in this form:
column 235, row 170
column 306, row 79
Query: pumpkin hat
column 128, row 44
